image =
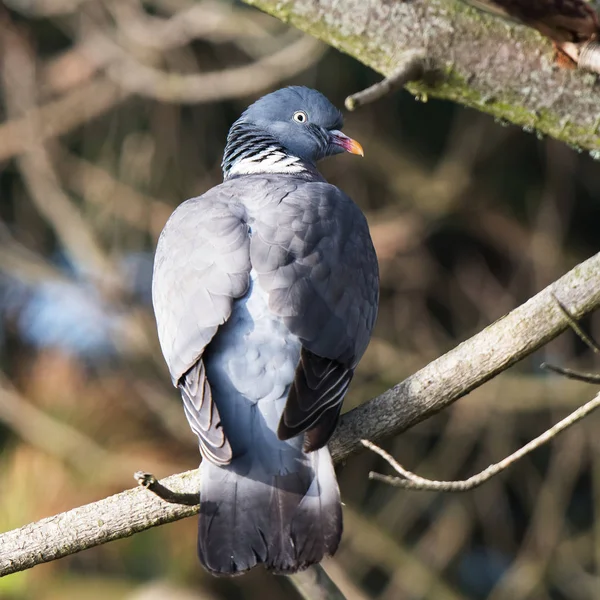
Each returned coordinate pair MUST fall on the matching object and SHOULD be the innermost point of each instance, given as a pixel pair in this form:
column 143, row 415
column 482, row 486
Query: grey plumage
column 265, row 292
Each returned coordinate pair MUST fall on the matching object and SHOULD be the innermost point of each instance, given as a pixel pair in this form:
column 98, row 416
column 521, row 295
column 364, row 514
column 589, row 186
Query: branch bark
column 428, row 391
column 477, row 59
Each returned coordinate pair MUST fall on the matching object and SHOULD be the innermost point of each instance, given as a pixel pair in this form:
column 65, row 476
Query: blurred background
column 115, row 111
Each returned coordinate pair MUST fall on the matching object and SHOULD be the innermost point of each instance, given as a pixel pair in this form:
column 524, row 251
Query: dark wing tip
column 314, row 401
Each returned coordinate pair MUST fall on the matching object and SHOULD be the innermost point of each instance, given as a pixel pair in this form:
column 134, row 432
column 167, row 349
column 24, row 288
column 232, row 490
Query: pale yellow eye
column 300, row 116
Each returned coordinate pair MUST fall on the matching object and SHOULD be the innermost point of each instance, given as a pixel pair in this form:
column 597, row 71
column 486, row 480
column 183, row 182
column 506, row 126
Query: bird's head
column 296, row 122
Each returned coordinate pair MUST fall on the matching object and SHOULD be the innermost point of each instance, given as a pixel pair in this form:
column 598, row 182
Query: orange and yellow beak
column 346, row 143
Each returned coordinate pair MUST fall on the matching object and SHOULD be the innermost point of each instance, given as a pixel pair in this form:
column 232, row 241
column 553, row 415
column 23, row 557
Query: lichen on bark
column 481, row 61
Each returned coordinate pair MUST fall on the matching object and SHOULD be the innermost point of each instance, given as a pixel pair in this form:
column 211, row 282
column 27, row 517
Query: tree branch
column 482, row 61
column 428, row 391
column 473, row 362
column 411, row 68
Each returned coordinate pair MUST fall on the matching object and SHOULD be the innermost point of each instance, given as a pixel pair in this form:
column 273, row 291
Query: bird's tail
column 286, row 521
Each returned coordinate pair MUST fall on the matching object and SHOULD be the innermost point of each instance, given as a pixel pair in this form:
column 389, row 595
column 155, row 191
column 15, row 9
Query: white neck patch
column 271, row 160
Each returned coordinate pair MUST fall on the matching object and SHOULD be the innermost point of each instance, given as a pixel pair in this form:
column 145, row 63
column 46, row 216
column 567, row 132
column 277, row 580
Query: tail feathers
column 286, row 522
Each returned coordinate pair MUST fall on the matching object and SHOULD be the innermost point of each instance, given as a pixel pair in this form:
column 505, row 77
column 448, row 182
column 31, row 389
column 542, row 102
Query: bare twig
column 410, row 68
column 571, row 373
column 428, row 391
column 412, row 481
column 586, row 339
column 583, row 336
column 148, row 481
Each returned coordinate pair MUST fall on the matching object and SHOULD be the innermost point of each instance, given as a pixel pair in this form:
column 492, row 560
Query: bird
column 265, row 292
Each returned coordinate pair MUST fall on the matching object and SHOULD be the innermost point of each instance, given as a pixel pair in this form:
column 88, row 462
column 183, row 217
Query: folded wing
column 202, row 265
column 316, row 260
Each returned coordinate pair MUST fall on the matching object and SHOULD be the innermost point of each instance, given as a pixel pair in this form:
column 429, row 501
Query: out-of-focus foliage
column 109, row 120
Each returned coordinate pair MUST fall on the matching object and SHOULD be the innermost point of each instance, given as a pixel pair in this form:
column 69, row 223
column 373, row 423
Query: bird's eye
column 300, row 116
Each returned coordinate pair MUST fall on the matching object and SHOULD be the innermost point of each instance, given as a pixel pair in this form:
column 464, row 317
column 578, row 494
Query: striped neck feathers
column 251, row 150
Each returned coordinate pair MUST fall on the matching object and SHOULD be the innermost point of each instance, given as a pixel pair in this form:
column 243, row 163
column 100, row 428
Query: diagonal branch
column 428, row 391
column 502, row 68
column 473, row 362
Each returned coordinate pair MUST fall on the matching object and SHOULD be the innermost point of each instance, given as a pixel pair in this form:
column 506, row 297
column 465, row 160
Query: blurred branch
column 103, row 189
column 377, row 545
column 43, row 431
column 501, row 68
column 214, row 21
column 315, row 584
column 411, row 481
column 234, row 82
column 19, row 82
column 45, row 8
column 428, row 391
column 60, row 116
column 89, row 100
column 342, row 579
column 19, row 262
column 61, row 440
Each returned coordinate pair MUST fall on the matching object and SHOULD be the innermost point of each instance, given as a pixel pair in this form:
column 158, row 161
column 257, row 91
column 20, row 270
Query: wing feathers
column 203, row 415
column 314, row 400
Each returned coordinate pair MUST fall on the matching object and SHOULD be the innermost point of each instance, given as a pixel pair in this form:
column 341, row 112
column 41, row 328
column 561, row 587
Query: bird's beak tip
column 347, row 143
column 355, row 148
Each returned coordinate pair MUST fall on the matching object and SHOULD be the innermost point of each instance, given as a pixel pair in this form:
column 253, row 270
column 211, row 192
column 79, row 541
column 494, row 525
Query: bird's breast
column 253, row 354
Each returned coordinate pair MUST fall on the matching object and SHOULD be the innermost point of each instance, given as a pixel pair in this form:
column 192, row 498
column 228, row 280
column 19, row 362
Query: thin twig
column 410, row 68
column 412, row 481
column 572, row 374
column 586, row 339
column 583, row 336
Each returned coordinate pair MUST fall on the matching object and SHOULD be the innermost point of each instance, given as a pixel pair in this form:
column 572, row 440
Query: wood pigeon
column 265, row 291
